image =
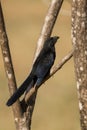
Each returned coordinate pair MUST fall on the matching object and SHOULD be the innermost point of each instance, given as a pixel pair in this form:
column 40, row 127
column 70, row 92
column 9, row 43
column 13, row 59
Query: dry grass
column 57, row 106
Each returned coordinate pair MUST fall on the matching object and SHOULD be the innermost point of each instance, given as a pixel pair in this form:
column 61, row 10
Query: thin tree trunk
column 9, row 67
column 79, row 40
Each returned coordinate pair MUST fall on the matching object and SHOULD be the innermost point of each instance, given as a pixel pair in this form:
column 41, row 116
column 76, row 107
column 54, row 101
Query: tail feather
column 19, row 91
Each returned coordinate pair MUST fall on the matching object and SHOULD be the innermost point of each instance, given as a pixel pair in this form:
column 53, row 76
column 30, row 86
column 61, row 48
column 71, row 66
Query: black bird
column 41, row 69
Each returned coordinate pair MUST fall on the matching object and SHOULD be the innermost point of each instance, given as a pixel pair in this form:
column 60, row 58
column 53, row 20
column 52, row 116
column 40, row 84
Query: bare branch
column 17, row 111
column 45, row 33
column 53, row 71
column 61, row 63
column 8, row 63
column 48, row 25
column 23, row 118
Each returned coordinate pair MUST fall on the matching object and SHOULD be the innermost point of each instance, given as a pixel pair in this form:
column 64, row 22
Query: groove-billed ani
column 41, row 69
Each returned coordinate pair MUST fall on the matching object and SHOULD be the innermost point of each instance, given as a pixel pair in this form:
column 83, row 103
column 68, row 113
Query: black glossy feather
column 40, row 69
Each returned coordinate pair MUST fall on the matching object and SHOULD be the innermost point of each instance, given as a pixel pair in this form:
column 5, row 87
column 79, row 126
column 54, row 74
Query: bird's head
column 50, row 42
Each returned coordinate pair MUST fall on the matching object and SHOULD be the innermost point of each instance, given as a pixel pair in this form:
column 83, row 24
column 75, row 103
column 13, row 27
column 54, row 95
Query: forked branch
column 53, row 71
column 23, row 118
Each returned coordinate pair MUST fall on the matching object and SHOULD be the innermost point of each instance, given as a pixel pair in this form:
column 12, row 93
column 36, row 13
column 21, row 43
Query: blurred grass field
column 57, row 103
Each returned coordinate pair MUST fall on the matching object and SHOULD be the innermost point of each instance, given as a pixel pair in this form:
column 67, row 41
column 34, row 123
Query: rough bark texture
column 79, row 40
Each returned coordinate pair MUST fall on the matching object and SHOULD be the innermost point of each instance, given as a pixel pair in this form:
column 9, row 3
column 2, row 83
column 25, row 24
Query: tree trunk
column 79, row 40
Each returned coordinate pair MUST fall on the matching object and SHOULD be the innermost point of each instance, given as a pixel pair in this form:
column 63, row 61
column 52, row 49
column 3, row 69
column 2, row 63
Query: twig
column 53, row 71
column 61, row 63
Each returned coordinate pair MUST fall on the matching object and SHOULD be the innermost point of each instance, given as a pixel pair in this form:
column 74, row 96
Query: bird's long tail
column 19, row 91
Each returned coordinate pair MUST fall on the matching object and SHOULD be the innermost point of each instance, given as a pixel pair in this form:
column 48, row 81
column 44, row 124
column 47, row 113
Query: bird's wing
column 44, row 66
column 44, row 61
column 40, row 56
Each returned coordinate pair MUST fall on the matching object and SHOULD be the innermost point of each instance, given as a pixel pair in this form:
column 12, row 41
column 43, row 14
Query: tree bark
column 9, row 68
column 79, row 40
column 48, row 25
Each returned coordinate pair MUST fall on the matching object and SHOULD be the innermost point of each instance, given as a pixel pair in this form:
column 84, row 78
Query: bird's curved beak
column 55, row 38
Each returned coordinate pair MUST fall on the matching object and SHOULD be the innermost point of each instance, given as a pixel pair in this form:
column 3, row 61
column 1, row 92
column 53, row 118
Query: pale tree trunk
column 79, row 40
column 9, row 67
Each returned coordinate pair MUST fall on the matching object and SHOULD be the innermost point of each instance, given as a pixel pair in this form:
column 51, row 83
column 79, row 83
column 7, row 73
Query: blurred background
column 57, row 102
